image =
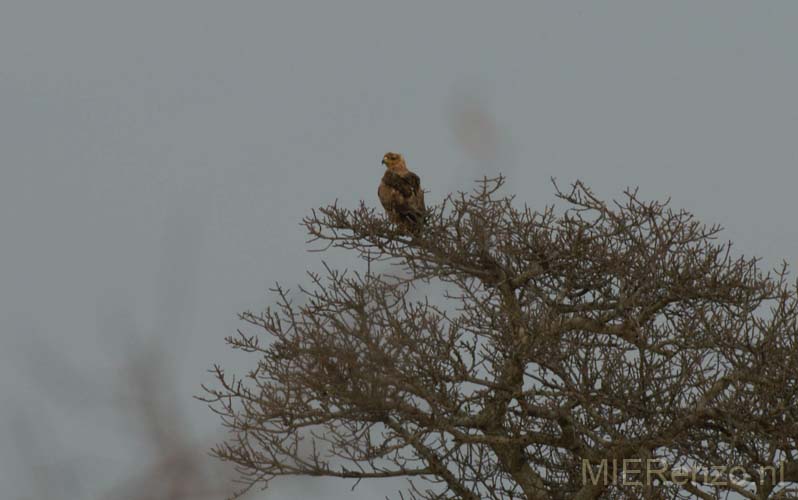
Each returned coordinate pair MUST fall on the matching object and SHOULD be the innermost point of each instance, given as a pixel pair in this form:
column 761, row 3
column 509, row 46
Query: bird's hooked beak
column 383, row 161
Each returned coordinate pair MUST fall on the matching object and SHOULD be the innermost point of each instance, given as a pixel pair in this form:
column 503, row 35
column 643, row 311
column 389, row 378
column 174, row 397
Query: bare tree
column 592, row 350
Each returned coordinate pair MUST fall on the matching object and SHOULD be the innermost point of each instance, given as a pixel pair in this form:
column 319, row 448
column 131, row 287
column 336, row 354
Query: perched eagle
column 401, row 194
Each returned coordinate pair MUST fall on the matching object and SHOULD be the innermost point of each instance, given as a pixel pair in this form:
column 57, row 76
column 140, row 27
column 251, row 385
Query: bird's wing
column 402, row 197
column 407, row 185
column 414, row 181
column 416, row 200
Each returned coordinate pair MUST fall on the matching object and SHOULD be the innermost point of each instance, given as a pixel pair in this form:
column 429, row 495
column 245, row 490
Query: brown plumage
column 400, row 194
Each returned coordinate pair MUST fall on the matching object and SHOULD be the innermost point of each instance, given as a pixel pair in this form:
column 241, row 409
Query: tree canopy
column 589, row 350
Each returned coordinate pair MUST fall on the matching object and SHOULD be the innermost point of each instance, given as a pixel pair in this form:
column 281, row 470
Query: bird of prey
column 401, row 195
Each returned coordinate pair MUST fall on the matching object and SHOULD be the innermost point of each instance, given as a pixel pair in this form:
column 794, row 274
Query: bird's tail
column 414, row 220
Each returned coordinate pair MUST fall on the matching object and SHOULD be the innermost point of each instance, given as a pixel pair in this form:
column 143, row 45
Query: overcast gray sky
column 157, row 157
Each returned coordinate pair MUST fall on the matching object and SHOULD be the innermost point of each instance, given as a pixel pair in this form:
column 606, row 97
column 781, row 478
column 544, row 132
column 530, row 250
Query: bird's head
column 394, row 161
